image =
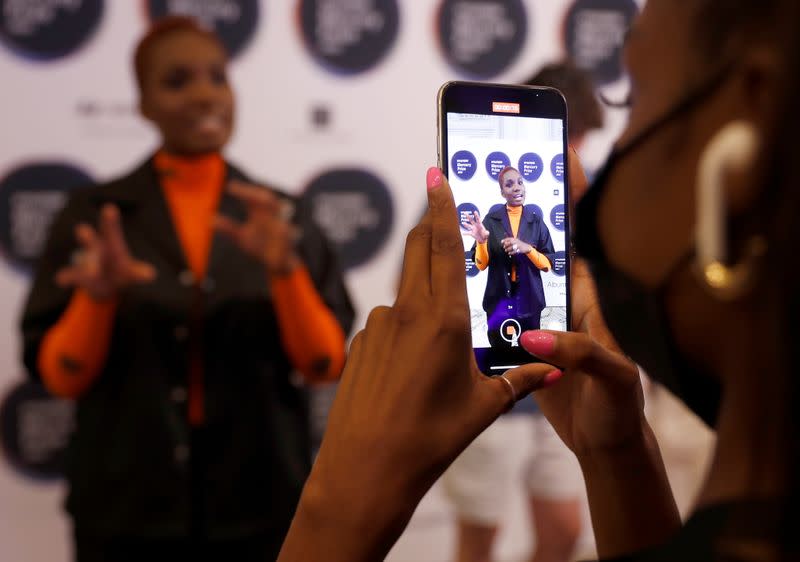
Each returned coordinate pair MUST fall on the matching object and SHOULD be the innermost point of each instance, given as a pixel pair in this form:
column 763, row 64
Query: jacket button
column 181, row 332
column 178, row 395
column 186, row 278
column 181, row 453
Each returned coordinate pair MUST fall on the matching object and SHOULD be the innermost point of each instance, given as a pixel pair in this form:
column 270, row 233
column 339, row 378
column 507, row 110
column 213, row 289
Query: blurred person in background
column 709, row 148
column 480, row 481
column 174, row 305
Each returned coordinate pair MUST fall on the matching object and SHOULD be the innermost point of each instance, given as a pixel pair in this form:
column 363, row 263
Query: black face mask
column 636, row 314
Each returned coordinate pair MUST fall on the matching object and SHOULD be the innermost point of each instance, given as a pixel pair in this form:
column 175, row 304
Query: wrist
column 347, row 526
column 639, row 446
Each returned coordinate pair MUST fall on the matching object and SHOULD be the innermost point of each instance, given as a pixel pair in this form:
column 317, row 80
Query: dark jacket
column 529, row 297
column 129, row 461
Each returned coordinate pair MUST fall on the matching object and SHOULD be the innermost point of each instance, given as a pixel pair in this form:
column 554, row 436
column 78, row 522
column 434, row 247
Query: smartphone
column 504, row 151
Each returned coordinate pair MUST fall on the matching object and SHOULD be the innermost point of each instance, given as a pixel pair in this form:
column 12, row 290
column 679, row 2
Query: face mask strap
column 691, row 101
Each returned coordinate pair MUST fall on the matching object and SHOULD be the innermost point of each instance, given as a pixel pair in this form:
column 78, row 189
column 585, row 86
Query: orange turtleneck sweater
column 538, row 259
column 75, row 349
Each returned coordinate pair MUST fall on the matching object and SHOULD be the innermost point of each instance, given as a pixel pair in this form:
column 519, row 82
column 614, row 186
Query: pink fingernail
column 552, row 378
column 538, row 343
column 434, row 178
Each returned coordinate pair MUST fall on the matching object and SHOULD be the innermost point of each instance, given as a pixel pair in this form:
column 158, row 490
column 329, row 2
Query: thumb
column 519, row 383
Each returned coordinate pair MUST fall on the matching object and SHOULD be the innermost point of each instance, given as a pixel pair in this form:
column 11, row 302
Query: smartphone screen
column 503, row 149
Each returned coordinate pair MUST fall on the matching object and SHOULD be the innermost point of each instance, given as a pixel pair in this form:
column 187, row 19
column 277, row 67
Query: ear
column 759, row 89
column 761, row 84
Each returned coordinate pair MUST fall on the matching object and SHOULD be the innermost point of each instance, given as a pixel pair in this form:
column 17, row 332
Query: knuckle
column 419, row 233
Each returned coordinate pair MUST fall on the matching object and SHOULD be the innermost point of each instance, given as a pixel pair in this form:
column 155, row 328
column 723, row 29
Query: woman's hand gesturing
column 268, row 234
column 103, row 266
column 474, row 227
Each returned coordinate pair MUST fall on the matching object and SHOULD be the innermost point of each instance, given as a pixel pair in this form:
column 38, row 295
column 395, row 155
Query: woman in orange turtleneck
column 174, row 304
column 514, row 244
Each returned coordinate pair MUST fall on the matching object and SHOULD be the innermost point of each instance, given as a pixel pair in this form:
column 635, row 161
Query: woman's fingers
column 141, row 271
column 448, row 281
column 111, row 231
column 518, row 384
column 572, row 350
column 229, row 228
column 254, row 197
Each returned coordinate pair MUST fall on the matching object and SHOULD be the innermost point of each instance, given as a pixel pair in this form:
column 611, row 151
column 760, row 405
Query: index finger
column 448, row 278
column 571, row 350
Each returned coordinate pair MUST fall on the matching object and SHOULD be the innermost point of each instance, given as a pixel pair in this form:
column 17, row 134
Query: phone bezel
column 547, row 103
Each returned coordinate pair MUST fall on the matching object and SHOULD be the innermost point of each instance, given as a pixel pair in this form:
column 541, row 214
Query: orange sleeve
column 482, row 256
column 539, row 260
column 310, row 333
column 75, row 349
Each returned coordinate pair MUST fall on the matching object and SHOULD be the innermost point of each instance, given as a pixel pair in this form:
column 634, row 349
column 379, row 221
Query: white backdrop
column 80, row 109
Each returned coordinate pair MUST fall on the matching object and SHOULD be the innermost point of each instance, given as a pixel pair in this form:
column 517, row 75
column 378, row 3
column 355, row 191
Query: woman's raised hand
column 268, row 233
column 474, row 227
column 103, row 265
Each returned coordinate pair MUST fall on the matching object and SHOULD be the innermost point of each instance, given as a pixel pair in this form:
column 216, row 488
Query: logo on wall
column 234, row 21
column 595, row 33
column 35, row 428
column 354, row 209
column 481, row 38
column 349, row 36
column 48, row 29
column 30, row 197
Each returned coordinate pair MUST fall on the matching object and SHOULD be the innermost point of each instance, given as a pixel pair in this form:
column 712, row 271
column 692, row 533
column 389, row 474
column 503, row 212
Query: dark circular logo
column 354, row 209
column 495, row 163
column 531, row 166
column 35, row 429
column 481, row 38
column 466, row 213
column 557, row 167
column 349, row 36
column 560, row 263
column 558, row 217
column 464, row 164
column 30, row 197
column 234, row 21
column 595, row 32
column 48, row 29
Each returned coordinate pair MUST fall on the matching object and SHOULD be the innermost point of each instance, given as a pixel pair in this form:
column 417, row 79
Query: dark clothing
column 132, row 466
column 526, row 296
column 718, row 534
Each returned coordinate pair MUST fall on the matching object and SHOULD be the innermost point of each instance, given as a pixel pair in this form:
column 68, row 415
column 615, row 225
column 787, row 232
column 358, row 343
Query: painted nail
column 538, row 343
column 434, row 178
column 552, row 378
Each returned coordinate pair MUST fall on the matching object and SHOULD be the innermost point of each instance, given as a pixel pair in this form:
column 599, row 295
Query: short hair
column 503, row 172
column 160, row 29
column 585, row 113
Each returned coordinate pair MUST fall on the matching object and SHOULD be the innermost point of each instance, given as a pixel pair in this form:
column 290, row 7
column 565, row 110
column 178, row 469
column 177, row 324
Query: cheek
column 647, row 215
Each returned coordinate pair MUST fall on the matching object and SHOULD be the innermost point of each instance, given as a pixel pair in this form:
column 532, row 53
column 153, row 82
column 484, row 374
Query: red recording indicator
column 505, row 107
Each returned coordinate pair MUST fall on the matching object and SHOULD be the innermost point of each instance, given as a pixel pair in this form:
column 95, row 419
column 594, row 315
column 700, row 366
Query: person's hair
column 160, row 29
column 585, row 113
column 503, row 172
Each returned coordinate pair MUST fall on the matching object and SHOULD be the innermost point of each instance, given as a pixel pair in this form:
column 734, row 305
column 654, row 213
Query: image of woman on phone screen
column 514, row 244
